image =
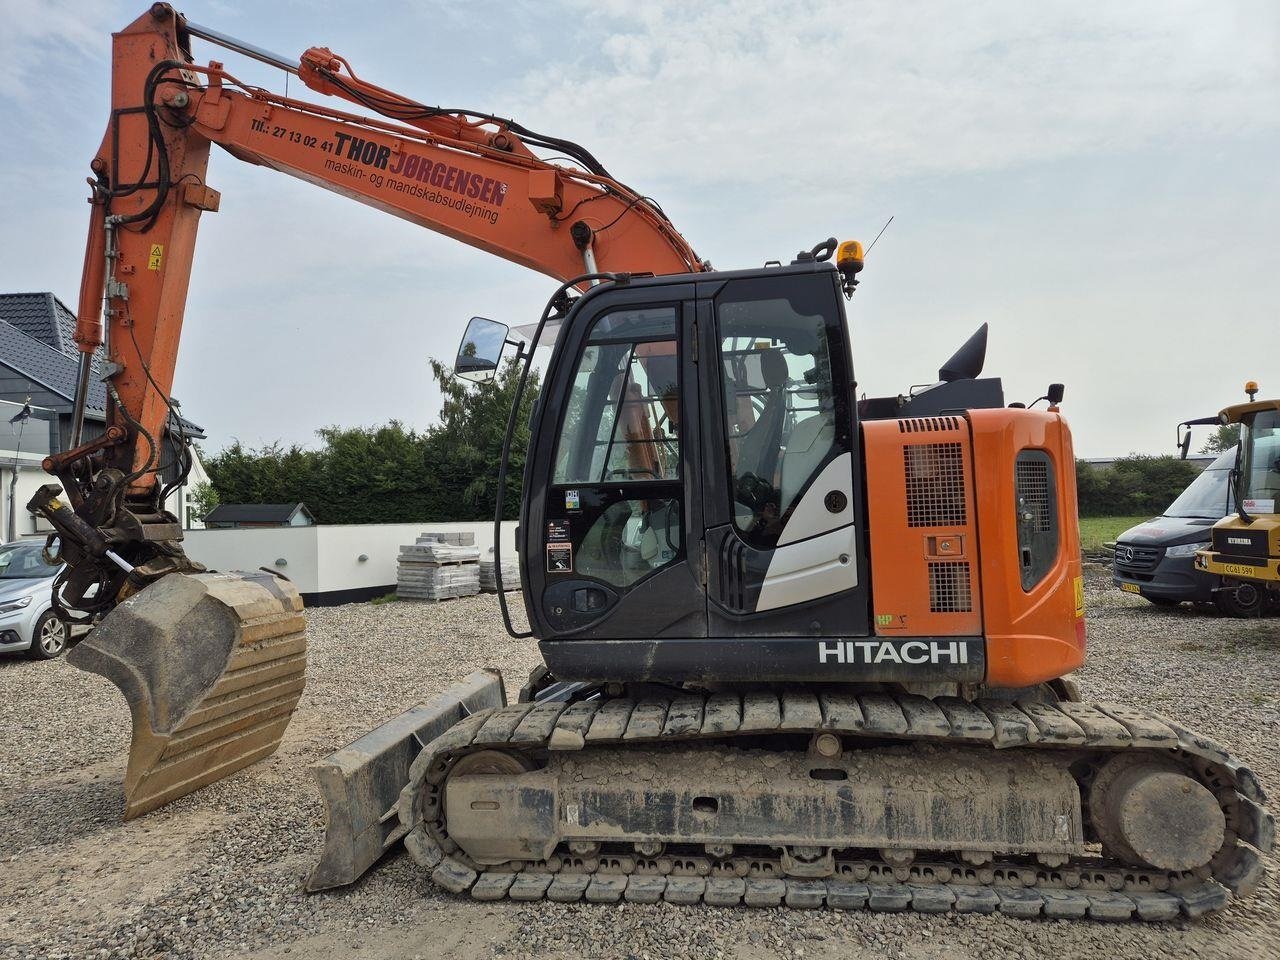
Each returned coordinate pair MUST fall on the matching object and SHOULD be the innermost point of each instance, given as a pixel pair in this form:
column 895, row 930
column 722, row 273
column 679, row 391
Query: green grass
column 1095, row 531
column 386, row 598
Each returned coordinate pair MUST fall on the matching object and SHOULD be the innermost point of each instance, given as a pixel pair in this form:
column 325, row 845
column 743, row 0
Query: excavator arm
column 474, row 177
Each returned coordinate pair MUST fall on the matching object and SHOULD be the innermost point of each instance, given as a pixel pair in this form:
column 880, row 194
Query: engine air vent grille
column 1032, row 479
column 949, row 587
column 935, row 484
column 928, row 424
column 1037, row 515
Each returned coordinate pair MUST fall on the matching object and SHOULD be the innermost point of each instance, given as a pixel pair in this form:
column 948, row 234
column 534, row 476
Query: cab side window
column 786, row 414
column 617, row 478
column 623, row 419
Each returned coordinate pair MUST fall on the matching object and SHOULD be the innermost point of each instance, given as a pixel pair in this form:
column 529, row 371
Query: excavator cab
column 693, row 468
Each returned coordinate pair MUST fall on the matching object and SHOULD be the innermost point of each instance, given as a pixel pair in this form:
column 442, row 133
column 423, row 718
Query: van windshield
column 1207, row 497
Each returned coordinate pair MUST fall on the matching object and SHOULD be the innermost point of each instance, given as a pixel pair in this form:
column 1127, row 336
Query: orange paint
column 1032, row 635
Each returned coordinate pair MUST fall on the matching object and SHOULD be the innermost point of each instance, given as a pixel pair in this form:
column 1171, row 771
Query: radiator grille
column 1032, row 478
column 949, row 588
column 1037, row 515
column 928, row 424
column 934, row 484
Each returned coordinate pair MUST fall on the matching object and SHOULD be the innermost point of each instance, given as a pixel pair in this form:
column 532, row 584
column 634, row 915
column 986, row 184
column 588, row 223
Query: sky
column 1099, row 182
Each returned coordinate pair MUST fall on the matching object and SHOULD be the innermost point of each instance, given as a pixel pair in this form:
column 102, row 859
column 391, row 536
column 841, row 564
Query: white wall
column 31, row 477
column 325, row 559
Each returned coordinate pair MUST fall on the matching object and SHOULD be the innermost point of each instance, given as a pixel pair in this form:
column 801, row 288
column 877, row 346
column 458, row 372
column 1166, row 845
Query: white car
column 27, row 620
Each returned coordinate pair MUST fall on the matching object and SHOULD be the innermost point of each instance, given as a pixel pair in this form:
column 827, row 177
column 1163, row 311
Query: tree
column 388, row 473
column 1132, row 486
column 467, row 443
column 1222, row 439
column 204, row 497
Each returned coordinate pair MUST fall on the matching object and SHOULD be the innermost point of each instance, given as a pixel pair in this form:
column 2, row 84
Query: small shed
column 236, row 516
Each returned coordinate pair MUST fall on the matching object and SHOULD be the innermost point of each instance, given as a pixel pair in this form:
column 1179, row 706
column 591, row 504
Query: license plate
column 1130, row 588
column 1239, row 570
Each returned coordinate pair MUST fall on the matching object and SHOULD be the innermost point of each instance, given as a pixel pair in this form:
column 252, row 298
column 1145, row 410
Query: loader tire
column 1245, row 601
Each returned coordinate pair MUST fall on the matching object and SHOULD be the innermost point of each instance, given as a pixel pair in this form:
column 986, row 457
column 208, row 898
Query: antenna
column 880, row 234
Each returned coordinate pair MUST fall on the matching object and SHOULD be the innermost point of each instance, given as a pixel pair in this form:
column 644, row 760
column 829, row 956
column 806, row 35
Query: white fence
column 329, row 564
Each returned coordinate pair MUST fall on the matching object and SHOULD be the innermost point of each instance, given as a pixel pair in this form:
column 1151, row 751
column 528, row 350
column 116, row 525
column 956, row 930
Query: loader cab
column 692, row 486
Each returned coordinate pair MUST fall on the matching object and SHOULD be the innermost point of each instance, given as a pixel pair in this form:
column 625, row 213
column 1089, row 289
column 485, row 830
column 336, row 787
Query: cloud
column 39, row 35
column 765, row 92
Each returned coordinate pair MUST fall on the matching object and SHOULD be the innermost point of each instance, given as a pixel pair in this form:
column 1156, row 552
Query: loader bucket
column 361, row 783
column 211, row 665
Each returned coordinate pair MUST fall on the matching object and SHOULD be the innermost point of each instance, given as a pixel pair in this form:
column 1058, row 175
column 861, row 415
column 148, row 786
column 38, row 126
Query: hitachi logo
column 1240, row 541
column 882, row 651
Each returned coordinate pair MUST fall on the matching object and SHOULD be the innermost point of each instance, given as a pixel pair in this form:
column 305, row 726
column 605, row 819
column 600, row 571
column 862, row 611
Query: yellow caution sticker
column 1079, row 585
column 157, row 254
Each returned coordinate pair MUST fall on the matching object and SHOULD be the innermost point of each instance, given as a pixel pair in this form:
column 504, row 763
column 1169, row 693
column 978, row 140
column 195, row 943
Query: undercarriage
column 879, row 800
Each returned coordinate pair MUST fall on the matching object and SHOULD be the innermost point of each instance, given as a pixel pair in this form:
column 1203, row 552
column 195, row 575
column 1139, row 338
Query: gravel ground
column 218, row 874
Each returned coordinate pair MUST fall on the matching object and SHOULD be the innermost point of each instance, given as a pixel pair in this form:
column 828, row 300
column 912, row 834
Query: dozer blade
column 212, row 667
column 361, row 783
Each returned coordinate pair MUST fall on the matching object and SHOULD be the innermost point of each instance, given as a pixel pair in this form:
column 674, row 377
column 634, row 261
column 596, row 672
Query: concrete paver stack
column 510, row 572
column 439, row 566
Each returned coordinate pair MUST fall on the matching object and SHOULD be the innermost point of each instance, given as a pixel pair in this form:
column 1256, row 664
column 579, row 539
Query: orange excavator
column 798, row 648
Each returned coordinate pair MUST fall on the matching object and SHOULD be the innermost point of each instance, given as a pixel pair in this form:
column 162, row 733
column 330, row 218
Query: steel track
column 1104, row 890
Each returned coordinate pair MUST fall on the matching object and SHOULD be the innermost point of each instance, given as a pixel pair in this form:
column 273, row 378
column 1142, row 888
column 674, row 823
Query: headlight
column 1186, row 549
column 11, row 605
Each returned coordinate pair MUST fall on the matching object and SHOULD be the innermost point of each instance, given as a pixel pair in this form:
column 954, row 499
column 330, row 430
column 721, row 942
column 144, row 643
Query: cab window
column 786, row 412
column 616, row 497
column 622, row 422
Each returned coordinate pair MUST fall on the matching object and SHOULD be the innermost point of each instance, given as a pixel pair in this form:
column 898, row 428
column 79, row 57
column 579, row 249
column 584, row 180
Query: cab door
column 614, row 472
column 782, row 489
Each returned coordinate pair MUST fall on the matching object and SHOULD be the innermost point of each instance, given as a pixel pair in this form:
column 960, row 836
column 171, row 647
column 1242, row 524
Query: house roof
column 41, row 316
column 255, row 512
column 37, row 340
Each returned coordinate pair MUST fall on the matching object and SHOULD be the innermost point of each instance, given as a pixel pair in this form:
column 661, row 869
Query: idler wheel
column 1150, row 812
column 490, row 763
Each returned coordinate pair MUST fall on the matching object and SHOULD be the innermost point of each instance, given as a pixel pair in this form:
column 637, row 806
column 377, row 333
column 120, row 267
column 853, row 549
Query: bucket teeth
column 212, row 667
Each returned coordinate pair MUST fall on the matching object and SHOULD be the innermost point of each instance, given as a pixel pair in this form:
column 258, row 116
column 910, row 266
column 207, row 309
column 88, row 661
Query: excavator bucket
column 212, row 667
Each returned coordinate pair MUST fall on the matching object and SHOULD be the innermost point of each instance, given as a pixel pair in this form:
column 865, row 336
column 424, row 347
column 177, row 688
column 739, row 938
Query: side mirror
column 1184, row 445
column 1056, row 391
column 480, row 350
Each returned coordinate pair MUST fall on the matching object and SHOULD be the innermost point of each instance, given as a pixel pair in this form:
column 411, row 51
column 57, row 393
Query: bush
column 390, row 474
column 1133, row 486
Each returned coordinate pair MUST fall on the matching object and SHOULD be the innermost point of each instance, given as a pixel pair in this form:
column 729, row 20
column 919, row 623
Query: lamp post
column 20, row 418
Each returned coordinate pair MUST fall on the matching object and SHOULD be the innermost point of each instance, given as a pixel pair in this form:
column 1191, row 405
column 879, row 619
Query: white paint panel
column 811, row 516
column 810, row 569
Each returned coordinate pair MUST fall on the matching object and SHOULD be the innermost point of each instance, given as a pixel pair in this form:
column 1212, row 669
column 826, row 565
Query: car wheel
column 49, row 638
column 1163, row 601
column 1242, row 600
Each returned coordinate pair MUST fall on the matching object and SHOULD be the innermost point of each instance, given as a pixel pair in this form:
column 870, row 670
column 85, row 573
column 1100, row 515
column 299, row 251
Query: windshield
column 24, row 562
column 1207, row 497
column 1260, row 460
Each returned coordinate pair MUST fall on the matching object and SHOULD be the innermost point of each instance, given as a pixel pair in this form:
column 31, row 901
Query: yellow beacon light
column 1251, row 388
column 849, row 257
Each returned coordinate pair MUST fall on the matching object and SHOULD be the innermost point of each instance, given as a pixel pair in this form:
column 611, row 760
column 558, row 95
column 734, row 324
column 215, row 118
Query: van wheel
column 1241, row 600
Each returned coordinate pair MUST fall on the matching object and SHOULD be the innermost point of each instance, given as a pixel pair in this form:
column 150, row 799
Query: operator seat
column 808, row 445
column 760, row 447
